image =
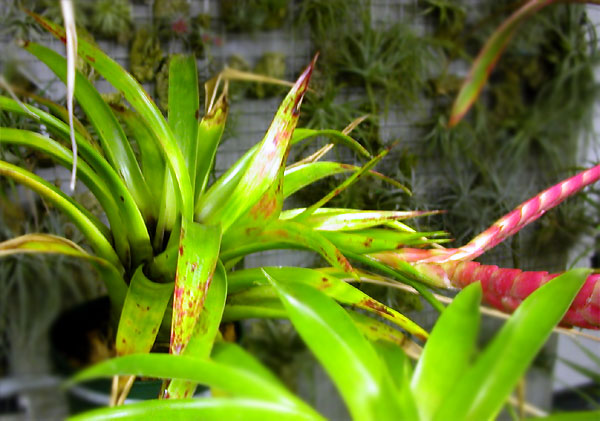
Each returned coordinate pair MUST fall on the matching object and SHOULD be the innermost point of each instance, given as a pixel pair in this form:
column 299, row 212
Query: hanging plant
column 270, row 64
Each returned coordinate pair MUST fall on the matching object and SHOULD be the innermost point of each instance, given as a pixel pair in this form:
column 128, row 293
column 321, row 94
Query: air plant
column 252, row 15
column 112, row 19
column 145, row 55
column 172, row 238
column 271, row 64
column 172, row 17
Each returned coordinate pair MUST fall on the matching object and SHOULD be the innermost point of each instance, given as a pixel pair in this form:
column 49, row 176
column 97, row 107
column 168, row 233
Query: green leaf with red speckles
column 206, row 329
column 198, row 255
column 377, row 331
column 346, row 355
column 142, row 314
column 265, row 165
column 115, row 144
column 300, row 176
column 334, row 219
column 328, row 284
column 375, row 240
column 283, row 234
column 140, row 101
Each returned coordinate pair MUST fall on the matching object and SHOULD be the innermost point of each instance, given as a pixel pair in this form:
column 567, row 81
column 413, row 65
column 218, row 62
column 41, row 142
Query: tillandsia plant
column 173, row 238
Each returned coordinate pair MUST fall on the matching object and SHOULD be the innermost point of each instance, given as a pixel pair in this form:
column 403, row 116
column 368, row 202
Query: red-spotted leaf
column 266, row 163
column 198, row 254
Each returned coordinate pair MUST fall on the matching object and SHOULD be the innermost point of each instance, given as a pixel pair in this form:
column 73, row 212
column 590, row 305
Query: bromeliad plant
column 172, row 238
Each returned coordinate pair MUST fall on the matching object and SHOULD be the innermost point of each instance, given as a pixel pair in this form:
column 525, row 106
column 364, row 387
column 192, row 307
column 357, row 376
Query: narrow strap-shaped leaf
column 142, row 314
column 93, row 230
column 448, row 352
column 96, row 185
column 343, row 186
column 399, row 366
column 239, row 383
column 136, row 231
column 207, row 409
column 483, row 389
column 140, row 101
column 51, row 244
column 198, row 255
column 345, row 354
column 151, row 158
column 205, row 331
column 266, row 163
column 299, row 176
column 332, row 287
column 515, row 220
column 376, row 240
column 402, row 272
column 210, row 132
column 287, row 234
column 490, row 54
column 301, row 134
column 60, row 112
column 376, row 331
column 114, row 142
column 351, row 219
column 235, row 356
column 264, row 310
column 183, row 114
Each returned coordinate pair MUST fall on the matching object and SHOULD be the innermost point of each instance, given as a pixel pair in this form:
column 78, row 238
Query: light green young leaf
column 213, row 409
column 349, row 359
column 448, row 352
column 483, row 389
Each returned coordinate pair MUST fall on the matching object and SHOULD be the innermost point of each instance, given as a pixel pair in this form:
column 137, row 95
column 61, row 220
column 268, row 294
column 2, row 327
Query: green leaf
column 211, row 409
column 483, row 389
column 300, row 176
column 93, row 230
column 205, row 331
column 289, row 234
column 140, row 101
column 349, row 359
column 488, row 56
column 198, row 254
column 133, row 220
column 376, row 240
column 142, row 314
column 96, row 184
column 51, row 244
column 400, row 369
column 339, row 219
column 265, row 165
column 151, row 158
column 114, row 142
column 210, row 133
column 572, row 416
column 329, row 285
column 343, row 186
column 448, row 352
column 238, row 383
column 301, row 134
column 183, row 115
